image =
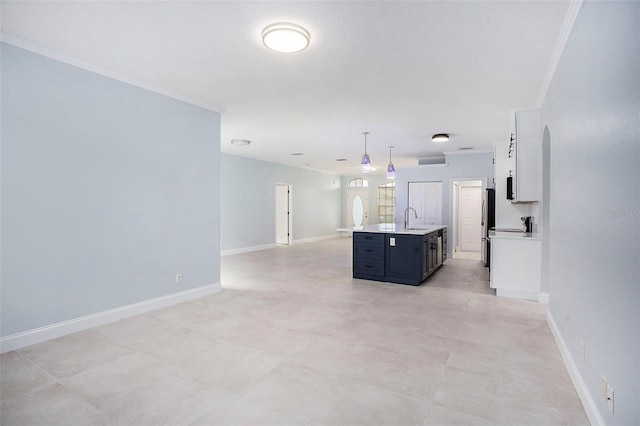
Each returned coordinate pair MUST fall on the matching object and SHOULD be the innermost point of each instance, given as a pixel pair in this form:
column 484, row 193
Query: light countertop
column 395, row 228
column 528, row 236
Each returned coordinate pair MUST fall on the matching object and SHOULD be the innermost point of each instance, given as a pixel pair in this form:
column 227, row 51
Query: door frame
column 455, row 183
column 365, row 193
column 477, row 191
column 278, row 212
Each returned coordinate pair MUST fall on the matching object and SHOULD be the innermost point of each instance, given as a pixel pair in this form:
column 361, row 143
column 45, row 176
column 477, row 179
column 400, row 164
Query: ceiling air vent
column 440, row 159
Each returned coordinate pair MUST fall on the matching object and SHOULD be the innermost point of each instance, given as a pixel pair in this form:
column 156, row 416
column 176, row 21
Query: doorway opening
column 466, row 218
column 545, row 214
column 284, row 216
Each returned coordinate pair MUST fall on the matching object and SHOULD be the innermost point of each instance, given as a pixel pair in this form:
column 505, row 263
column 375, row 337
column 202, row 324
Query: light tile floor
column 470, row 255
column 293, row 339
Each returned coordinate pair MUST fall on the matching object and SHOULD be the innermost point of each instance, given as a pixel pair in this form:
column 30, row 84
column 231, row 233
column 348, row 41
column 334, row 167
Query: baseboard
column 543, row 298
column 273, row 245
column 588, row 403
column 247, row 249
column 42, row 334
column 313, row 239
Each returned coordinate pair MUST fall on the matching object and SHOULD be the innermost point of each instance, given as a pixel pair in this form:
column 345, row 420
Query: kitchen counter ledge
column 526, row 236
column 395, row 228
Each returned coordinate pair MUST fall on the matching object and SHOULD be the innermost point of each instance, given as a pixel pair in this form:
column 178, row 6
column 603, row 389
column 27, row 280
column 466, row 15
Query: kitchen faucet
column 406, row 216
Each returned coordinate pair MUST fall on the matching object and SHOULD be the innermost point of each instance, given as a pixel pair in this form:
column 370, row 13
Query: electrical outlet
column 610, row 398
column 582, row 351
column 178, row 278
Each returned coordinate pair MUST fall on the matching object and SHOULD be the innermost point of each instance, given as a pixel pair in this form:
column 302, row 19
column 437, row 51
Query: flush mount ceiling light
column 391, row 171
column 285, row 37
column 440, row 137
column 240, row 142
column 365, row 163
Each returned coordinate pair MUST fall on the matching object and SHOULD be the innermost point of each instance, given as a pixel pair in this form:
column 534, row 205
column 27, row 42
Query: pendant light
column 365, row 163
column 391, row 171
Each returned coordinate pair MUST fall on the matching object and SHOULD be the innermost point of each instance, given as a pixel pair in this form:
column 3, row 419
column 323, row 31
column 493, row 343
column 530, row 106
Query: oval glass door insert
column 357, row 211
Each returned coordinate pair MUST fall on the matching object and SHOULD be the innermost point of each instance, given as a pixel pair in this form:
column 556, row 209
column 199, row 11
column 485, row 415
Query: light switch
column 392, row 242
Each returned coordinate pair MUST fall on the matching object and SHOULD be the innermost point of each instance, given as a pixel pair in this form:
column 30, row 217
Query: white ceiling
column 400, row 70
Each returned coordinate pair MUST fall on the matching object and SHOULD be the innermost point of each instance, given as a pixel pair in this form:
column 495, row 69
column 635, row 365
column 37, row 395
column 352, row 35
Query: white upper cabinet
column 527, row 153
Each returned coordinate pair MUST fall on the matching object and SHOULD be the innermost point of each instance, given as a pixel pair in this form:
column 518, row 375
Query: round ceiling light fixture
column 240, row 142
column 440, row 137
column 285, row 37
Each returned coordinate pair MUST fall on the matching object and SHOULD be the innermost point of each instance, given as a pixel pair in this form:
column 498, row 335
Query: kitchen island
column 392, row 253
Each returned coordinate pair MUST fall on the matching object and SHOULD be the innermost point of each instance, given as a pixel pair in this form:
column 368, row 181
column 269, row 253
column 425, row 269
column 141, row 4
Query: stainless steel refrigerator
column 488, row 222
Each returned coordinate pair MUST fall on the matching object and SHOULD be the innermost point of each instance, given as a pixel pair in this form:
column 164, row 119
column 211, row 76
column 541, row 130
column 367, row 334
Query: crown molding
column 565, row 32
column 51, row 54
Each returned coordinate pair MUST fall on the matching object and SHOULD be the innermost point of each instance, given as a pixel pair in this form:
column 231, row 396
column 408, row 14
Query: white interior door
column 470, row 218
column 358, row 208
column 283, row 214
column 426, row 199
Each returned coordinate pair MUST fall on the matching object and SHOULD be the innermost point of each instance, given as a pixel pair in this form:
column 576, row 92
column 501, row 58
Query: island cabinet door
column 444, row 243
column 432, row 252
column 404, row 258
column 425, row 256
column 368, row 256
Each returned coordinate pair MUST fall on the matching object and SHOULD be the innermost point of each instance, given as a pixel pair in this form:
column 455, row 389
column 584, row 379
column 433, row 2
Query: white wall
column 108, row 191
column 592, row 112
column 248, row 202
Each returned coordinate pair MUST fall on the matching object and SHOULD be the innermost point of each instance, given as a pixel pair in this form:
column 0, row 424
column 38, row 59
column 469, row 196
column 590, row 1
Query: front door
column 358, row 210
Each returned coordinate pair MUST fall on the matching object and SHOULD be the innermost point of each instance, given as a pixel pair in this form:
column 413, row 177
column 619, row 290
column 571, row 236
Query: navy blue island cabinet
column 403, row 258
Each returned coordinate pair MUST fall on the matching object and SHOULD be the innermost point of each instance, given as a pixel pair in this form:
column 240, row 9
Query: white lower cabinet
column 515, row 267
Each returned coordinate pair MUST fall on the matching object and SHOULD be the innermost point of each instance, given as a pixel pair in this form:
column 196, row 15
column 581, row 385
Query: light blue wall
column 592, row 112
column 248, row 202
column 108, row 191
column 477, row 166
